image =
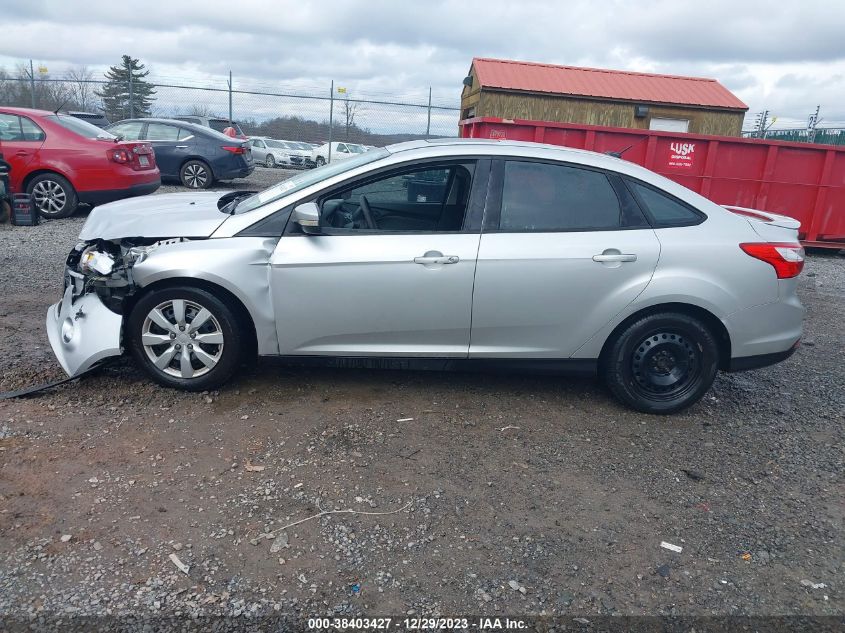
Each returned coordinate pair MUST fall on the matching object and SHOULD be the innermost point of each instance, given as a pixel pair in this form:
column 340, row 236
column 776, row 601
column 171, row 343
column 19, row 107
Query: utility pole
column 428, row 122
column 761, row 128
column 32, row 83
column 331, row 120
column 811, row 125
column 230, row 99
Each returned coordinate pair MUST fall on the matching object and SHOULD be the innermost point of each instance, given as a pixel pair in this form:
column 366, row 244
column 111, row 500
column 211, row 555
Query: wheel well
column 710, row 320
column 241, row 313
column 28, row 178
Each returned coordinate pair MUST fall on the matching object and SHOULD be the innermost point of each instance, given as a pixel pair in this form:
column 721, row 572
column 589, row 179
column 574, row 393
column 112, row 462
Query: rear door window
column 184, row 134
column 544, row 197
column 162, row 132
column 18, row 128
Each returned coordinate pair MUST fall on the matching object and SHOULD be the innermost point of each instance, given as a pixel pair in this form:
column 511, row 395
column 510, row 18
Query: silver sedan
column 447, row 254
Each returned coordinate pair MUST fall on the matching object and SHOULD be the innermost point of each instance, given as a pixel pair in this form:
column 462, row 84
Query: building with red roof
column 568, row 94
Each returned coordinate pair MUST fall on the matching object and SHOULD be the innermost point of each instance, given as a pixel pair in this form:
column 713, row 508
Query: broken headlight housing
column 93, row 261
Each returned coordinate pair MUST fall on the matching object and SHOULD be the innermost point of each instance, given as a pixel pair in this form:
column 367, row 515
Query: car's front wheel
column 270, row 161
column 320, row 161
column 53, row 195
column 661, row 363
column 195, row 174
column 185, row 338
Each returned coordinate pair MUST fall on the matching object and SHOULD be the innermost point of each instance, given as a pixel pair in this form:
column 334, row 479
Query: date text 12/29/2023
column 418, row 624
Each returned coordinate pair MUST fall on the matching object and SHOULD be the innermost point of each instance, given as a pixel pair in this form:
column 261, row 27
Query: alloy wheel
column 50, row 197
column 270, row 161
column 195, row 176
column 182, row 338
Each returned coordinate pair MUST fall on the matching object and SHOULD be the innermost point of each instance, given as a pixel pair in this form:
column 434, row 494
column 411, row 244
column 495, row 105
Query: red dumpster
column 802, row 180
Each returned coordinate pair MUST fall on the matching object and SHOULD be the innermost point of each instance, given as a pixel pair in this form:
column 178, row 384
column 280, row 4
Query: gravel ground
column 503, row 494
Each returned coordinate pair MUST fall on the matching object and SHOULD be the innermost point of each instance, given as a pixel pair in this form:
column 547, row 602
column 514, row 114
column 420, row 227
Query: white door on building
column 669, row 125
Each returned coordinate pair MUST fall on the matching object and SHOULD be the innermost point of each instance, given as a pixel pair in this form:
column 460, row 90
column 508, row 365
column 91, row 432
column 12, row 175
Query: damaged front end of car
column 86, row 325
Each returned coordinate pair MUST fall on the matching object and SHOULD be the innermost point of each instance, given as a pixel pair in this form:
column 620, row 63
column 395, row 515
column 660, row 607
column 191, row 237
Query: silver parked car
column 453, row 253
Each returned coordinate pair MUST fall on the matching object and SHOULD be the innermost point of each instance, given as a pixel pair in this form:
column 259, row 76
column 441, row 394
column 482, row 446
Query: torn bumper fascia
column 82, row 330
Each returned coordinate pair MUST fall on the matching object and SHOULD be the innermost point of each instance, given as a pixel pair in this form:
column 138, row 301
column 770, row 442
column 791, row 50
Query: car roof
column 29, row 111
column 507, row 147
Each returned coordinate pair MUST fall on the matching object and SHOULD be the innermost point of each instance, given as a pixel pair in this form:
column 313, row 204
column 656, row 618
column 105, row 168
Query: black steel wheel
column 661, row 363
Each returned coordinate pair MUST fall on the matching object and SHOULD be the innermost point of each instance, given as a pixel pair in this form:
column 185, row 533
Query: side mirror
column 307, row 216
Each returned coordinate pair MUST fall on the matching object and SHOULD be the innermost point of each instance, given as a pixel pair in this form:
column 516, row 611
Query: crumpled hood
column 192, row 214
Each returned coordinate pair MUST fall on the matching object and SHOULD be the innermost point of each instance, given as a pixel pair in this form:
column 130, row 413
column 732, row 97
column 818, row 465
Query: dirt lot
column 503, row 494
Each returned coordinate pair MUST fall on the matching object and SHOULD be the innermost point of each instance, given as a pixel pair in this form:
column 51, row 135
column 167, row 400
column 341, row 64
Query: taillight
column 118, row 155
column 787, row 258
column 235, row 149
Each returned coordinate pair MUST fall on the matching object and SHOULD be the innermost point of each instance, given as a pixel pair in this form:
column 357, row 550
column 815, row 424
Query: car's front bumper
column 82, row 331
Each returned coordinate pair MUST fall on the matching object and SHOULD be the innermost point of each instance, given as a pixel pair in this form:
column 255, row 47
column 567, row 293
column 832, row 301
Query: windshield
column 276, row 144
column 304, row 146
column 355, row 149
column 78, row 126
column 306, row 179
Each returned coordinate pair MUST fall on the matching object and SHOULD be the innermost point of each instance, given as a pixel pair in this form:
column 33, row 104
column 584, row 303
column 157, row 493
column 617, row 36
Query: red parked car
column 62, row 161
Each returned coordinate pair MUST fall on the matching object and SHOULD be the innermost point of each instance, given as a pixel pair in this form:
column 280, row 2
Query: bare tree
column 81, row 88
column 200, row 109
column 350, row 109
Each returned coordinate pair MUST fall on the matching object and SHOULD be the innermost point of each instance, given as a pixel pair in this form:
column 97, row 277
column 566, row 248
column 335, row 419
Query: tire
column 661, row 363
column 53, row 195
column 269, row 161
column 196, row 174
column 320, row 161
column 179, row 361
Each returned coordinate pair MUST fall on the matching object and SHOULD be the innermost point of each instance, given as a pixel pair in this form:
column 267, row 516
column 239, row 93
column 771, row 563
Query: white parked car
column 340, row 151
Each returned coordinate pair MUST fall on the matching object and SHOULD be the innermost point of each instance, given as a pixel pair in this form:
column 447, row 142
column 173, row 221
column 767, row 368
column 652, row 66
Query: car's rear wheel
column 661, row 363
column 270, row 161
column 53, row 195
column 320, row 161
column 185, row 338
column 196, row 174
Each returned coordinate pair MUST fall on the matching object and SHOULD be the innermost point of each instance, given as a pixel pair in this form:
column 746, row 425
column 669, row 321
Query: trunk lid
column 770, row 226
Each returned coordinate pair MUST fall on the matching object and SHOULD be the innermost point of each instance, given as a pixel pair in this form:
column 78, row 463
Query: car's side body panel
column 239, row 265
column 541, row 295
column 356, row 295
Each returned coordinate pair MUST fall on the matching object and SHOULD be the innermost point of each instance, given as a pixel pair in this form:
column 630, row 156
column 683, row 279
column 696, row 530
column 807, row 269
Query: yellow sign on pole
column 341, row 91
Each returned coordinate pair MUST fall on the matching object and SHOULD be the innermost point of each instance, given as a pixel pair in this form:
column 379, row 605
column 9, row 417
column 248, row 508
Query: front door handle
column 436, row 257
column 615, row 257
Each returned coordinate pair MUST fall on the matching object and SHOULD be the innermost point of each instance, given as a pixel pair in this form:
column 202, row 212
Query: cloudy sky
column 787, row 57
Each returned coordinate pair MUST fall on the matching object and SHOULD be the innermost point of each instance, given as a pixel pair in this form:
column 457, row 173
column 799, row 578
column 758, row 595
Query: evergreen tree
column 117, row 102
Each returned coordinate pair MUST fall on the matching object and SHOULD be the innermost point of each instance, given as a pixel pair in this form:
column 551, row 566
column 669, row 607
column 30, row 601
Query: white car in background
column 340, row 151
column 271, row 152
column 300, row 153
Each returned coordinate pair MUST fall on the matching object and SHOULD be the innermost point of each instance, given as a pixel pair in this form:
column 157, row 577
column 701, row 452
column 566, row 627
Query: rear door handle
column 181, row 147
column 615, row 257
column 434, row 257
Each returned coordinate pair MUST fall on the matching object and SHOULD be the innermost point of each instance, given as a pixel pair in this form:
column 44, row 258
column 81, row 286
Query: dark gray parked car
column 195, row 155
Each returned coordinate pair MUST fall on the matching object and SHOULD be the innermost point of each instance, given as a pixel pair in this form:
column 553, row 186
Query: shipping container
column 802, row 180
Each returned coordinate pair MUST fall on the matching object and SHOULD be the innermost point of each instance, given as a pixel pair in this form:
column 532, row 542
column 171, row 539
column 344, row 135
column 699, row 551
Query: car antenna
column 64, row 103
column 618, row 153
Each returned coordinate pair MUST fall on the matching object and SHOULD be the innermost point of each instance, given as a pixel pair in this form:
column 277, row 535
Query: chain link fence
column 290, row 115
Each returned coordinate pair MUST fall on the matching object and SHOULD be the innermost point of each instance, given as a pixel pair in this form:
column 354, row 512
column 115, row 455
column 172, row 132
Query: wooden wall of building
column 567, row 109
